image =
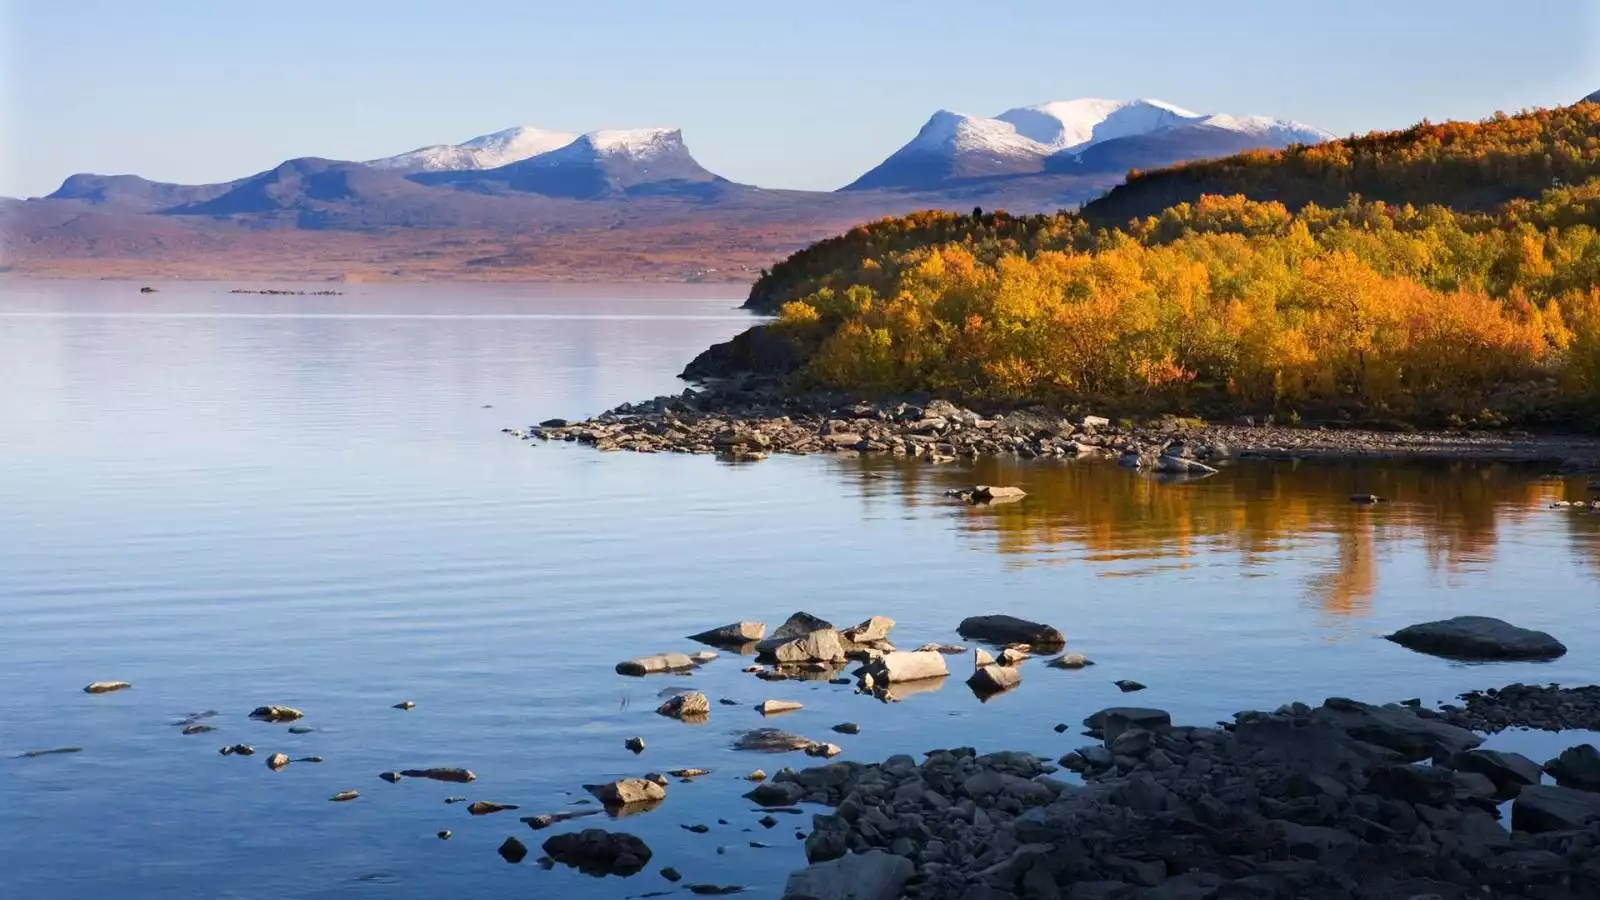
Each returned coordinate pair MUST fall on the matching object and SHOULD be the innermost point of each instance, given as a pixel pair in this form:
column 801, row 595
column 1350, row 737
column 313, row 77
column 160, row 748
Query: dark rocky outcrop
column 1003, row 629
column 1478, row 638
column 595, row 851
column 759, row 350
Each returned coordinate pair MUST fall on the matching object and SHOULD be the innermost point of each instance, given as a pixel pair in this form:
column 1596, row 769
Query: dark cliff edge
column 755, row 351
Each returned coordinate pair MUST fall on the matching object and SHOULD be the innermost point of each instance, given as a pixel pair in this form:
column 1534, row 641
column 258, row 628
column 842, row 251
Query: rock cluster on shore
column 751, row 420
column 1326, row 802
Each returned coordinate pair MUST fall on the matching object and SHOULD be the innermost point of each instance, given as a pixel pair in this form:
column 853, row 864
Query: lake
column 232, row 500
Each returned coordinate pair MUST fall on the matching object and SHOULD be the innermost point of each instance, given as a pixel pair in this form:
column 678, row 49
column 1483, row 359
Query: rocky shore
column 1343, row 800
column 749, row 421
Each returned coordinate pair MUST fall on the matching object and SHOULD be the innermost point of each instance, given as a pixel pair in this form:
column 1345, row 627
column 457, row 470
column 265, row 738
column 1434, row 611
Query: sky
column 780, row 94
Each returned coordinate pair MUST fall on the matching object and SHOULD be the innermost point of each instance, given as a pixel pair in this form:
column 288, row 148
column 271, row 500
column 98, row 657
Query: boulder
column 1002, row 629
column 771, row 740
column 873, row 629
column 595, row 851
column 1183, row 466
column 689, row 705
column 1398, row 728
column 653, row 665
column 993, row 679
column 985, row 493
column 776, row 793
column 874, row 875
column 796, row 626
column 626, row 791
column 1577, row 767
column 904, row 665
column 822, row 645
column 981, row 658
column 1478, row 638
column 511, row 850
column 1548, row 807
column 1114, row 720
column 277, row 761
column 1510, row 772
column 824, row 750
column 276, row 713
column 736, row 635
column 441, row 773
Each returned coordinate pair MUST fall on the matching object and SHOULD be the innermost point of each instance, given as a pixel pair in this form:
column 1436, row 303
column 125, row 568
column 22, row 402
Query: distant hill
column 598, row 165
column 487, row 151
column 1464, row 165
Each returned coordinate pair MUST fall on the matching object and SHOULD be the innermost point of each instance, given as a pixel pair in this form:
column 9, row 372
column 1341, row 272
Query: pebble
column 343, row 796
column 277, row 761
column 405, row 704
column 635, row 744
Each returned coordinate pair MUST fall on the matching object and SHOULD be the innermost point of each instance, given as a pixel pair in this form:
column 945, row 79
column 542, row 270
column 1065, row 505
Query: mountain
column 953, row 147
column 130, row 193
column 1085, row 136
column 1592, row 98
column 598, row 165
column 487, row 151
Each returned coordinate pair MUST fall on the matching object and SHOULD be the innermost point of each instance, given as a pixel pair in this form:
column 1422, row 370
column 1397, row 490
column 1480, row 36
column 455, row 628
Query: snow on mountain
column 1278, row 131
column 1077, row 124
column 637, row 145
column 487, row 151
column 954, row 132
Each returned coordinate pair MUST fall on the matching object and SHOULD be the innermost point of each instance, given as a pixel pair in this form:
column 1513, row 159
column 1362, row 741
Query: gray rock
column 874, row 875
column 485, row 807
column 276, row 713
column 1398, row 728
column 1003, row 629
column 906, row 665
column 692, row 706
column 1478, row 638
column 442, row 773
column 735, row 635
column 821, row 645
column 1114, row 720
column 874, row 629
column 1577, row 767
column 993, row 679
column 1548, row 807
column 1072, row 660
column 653, row 665
column 627, row 791
column 1509, row 771
column 1184, row 466
column 771, row 740
column 595, row 851
column 776, row 793
column 796, row 626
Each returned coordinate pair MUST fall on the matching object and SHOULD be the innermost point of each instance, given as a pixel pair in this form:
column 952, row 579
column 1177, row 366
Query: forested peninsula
column 1445, row 274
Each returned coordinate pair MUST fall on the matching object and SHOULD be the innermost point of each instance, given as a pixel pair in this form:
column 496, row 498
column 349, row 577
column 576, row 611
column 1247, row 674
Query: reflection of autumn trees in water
column 1130, row 523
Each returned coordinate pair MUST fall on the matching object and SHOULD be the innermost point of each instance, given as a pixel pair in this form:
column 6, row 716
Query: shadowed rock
column 441, row 773
column 1478, row 638
column 732, row 636
column 595, row 851
column 1003, row 629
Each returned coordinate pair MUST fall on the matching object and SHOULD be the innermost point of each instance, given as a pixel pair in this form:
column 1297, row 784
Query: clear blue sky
column 798, row 94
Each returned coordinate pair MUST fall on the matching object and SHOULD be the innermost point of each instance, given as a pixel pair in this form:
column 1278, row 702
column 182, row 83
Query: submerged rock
column 627, row 791
column 1003, row 629
column 771, row 740
column 485, row 807
column 344, row 796
column 1478, row 638
column 442, row 773
column 691, row 705
column 1072, row 660
column 735, row 635
column 512, row 850
column 106, row 687
column 276, row 713
column 54, row 751
column 655, row 665
column 596, row 851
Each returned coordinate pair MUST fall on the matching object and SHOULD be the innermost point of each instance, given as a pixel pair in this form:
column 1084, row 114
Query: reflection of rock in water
column 905, row 689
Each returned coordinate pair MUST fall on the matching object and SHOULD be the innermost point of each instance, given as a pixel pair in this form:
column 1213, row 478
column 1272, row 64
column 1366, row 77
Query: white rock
column 907, row 666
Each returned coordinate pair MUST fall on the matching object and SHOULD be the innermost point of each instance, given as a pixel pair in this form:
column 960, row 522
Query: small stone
column 277, row 761
column 847, row 728
column 405, row 704
column 635, row 744
column 444, row 835
column 696, row 828
column 981, row 658
column 343, row 796
column 276, row 713
column 485, row 807
column 625, row 791
column 767, row 821
column 656, row 778
column 301, row 729
column 391, row 777
column 455, row 799
column 441, row 773
column 513, row 851
column 1127, row 686
column 198, row 729
column 1072, row 660
column 757, row 775
column 691, row 706
column 773, row 707
column 687, row 774
column 671, row 874
column 653, row 665
column 106, row 687
column 238, row 750
column 826, row 751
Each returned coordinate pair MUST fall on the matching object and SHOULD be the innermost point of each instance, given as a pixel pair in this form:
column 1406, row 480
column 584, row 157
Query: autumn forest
column 1442, row 274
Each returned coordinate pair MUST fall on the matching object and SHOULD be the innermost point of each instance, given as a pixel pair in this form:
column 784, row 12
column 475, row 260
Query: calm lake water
column 233, row 500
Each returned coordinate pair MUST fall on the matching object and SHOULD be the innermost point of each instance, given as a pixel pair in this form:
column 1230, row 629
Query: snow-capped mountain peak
column 1082, row 123
column 947, row 131
column 487, row 151
column 1278, row 130
column 638, row 144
